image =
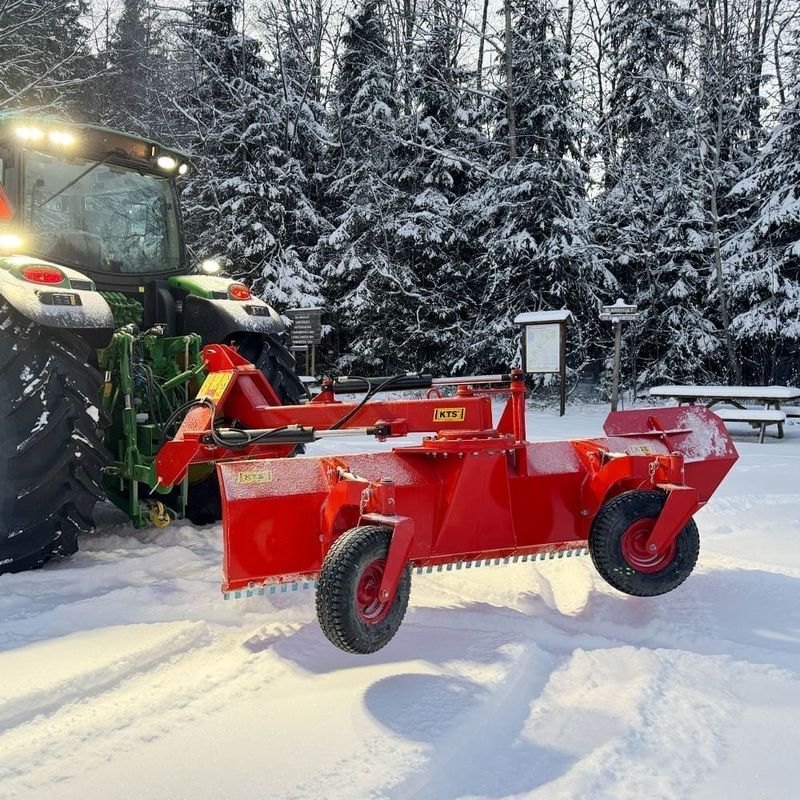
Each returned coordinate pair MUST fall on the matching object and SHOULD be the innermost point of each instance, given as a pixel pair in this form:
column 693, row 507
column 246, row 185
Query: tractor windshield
column 98, row 216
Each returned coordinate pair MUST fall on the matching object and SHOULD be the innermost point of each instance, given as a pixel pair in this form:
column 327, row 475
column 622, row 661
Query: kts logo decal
column 255, row 476
column 449, row 414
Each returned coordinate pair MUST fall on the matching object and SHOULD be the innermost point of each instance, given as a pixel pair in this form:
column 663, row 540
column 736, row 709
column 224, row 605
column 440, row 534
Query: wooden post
column 562, row 373
column 617, row 357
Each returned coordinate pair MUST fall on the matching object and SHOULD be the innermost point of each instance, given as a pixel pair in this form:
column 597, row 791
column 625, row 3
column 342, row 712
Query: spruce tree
column 357, row 254
column 651, row 223
column 434, row 173
column 136, row 83
column 763, row 259
column 246, row 202
column 531, row 216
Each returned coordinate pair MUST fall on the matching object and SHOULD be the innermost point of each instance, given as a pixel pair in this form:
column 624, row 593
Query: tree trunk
column 482, row 45
column 408, row 35
column 730, row 349
column 510, row 109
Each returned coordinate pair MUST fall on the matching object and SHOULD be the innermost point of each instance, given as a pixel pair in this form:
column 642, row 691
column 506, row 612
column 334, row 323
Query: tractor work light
column 10, row 241
column 29, row 134
column 210, row 266
column 61, row 138
column 41, row 273
column 183, row 169
column 239, row 291
column 167, row 163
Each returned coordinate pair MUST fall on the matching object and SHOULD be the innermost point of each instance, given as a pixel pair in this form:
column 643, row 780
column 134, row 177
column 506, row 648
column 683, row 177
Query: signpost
column 618, row 313
column 544, row 345
column 306, row 333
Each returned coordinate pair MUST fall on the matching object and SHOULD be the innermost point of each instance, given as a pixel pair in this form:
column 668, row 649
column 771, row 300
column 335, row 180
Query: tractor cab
column 92, row 208
column 96, row 200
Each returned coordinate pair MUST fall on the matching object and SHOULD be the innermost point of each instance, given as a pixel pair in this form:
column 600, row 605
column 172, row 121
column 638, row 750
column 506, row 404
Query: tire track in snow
column 145, row 702
column 56, row 685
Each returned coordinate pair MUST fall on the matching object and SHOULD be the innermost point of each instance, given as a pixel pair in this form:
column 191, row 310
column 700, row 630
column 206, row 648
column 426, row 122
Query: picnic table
column 773, row 400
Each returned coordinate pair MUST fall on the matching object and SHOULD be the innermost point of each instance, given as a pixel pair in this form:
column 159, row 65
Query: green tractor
column 102, row 320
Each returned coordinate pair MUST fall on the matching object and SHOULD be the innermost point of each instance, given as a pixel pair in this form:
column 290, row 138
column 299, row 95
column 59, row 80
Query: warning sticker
column 255, row 476
column 214, row 385
column 449, row 414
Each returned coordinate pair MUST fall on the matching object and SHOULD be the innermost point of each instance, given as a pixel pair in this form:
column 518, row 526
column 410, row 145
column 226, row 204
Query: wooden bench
column 757, row 417
column 791, row 411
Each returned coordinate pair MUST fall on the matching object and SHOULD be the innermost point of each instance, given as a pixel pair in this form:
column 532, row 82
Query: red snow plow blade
column 467, row 496
column 473, row 493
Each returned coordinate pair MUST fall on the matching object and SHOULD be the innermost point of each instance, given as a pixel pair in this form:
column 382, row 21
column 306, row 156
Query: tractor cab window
column 99, row 216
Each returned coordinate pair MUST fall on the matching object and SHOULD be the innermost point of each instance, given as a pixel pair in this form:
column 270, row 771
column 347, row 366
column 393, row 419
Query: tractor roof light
column 29, row 134
column 238, row 291
column 167, row 163
column 10, row 242
column 61, row 138
column 210, row 266
column 42, row 273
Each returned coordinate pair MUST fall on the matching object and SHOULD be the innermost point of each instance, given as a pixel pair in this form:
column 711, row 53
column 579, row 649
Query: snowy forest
column 425, row 170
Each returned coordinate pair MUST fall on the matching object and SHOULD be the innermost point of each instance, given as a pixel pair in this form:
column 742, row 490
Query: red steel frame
column 471, row 492
column 241, row 392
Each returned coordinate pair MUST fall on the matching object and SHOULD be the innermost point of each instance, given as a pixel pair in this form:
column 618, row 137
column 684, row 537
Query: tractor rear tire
column 349, row 613
column 50, row 440
column 278, row 365
column 204, row 500
column 616, row 544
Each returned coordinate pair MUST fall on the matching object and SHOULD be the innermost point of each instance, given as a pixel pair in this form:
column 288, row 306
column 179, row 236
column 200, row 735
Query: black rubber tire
column 50, row 441
column 613, row 519
column 336, row 592
column 203, row 501
column 277, row 363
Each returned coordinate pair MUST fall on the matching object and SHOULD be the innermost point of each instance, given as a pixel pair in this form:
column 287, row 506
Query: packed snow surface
column 125, row 674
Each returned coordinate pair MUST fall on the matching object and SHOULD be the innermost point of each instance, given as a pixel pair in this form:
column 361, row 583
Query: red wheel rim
column 368, row 605
column 635, row 552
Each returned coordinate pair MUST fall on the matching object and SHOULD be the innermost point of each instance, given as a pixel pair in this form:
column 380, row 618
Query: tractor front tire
column 51, row 450
column 350, row 614
column 617, row 546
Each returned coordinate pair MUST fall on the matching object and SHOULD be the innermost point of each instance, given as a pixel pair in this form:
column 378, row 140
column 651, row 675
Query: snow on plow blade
column 466, row 496
column 695, row 432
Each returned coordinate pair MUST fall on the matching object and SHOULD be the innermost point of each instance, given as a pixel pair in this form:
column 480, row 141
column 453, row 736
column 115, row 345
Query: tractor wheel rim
column 368, row 604
column 635, row 552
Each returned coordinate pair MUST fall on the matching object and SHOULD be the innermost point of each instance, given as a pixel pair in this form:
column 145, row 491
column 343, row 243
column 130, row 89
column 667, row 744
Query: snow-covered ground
column 124, row 674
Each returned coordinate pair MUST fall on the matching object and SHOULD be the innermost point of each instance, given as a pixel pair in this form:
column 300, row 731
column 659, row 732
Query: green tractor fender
column 218, row 308
column 53, row 295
